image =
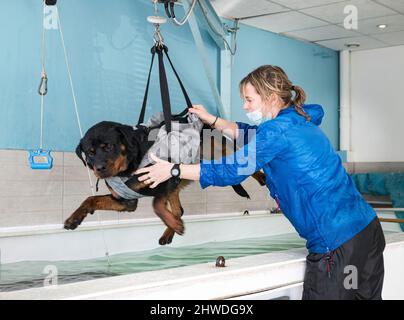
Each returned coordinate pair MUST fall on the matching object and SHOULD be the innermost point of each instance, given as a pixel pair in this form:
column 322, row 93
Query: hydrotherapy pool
column 28, row 274
column 263, row 255
column 30, row 257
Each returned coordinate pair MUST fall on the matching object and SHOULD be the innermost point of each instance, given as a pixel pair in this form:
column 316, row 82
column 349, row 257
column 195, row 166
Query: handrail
column 391, row 220
column 389, row 209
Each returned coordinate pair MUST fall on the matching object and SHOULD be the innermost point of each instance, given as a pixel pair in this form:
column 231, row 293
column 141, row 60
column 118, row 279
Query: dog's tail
column 239, row 189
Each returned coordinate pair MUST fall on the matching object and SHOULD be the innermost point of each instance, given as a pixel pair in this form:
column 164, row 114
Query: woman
column 303, row 172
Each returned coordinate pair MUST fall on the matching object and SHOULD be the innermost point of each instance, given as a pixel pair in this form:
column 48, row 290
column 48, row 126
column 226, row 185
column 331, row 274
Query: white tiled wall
column 34, row 197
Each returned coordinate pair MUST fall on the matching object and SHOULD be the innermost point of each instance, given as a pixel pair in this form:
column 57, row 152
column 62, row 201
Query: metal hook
column 43, row 85
column 156, row 20
column 157, row 37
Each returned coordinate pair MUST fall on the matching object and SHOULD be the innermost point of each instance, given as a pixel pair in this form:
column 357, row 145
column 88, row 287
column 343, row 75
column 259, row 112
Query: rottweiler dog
column 112, row 149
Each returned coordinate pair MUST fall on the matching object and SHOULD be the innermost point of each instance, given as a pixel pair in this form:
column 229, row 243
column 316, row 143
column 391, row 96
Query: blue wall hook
column 40, row 159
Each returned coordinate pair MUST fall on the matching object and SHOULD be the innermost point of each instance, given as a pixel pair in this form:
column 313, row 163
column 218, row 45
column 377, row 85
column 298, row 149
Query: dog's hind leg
column 172, row 221
column 177, row 210
column 91, row 204
column 260, row 177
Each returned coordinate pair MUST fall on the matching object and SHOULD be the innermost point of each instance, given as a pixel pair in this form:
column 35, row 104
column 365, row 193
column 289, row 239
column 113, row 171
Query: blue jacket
column 303, row 172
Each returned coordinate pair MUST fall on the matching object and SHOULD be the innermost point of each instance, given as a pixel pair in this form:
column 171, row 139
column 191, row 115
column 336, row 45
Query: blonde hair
column 270, row 79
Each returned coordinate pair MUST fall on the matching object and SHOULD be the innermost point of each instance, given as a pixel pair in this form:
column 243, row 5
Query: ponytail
column 299, row 100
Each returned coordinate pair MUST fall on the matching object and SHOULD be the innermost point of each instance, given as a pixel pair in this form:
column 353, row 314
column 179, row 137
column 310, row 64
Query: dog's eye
column 108, row 147
column 91, row 152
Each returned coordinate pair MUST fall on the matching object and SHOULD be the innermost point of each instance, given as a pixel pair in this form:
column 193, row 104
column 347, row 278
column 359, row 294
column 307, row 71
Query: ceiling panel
column 321, row 21
column 243, row 8
column 365, row 43
column 334, row 13
column 283, row 22
column 323, row 33
column 392, row 38
column 397, row 5
column 370, row 26
column 301, row 4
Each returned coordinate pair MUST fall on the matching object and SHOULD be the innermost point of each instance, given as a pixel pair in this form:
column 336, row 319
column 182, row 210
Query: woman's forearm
column 228, row 128
column 190, row 171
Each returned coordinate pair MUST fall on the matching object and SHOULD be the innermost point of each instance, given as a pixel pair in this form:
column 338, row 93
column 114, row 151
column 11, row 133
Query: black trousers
column 354, row 271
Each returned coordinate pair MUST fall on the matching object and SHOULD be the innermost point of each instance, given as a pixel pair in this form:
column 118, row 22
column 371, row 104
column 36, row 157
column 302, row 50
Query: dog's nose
column 100, row 168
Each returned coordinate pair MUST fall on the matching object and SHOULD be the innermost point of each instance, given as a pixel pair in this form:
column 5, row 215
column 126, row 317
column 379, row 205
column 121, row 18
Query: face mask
column 257, row 118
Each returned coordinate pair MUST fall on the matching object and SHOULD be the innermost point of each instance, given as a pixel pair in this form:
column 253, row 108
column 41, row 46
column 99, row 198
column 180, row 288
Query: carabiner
column 43, row 85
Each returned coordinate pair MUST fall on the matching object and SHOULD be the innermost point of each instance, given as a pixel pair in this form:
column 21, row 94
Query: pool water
column 29, row 274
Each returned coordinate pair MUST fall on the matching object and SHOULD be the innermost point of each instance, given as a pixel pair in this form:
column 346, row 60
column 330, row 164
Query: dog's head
column 109, row 149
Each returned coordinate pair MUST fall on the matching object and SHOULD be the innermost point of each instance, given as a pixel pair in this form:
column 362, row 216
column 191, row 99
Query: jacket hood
column 315, row 111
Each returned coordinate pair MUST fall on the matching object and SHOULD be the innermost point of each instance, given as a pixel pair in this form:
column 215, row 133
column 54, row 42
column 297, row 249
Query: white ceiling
column 321, row 21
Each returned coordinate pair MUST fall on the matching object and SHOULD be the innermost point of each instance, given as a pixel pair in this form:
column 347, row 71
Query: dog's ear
column 131, row 140
column 79, row 152
column 127, row 134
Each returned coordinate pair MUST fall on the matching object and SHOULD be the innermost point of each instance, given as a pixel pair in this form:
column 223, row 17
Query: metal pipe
column 345, row 103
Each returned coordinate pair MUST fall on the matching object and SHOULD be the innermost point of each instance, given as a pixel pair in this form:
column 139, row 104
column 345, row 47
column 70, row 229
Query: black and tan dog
column 113, row 149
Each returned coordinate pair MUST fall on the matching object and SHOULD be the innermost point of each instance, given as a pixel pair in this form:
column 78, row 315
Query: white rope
column 41, row 138
column 80, row 128
column 186, row 17
column 43, row 49
column 226, row 43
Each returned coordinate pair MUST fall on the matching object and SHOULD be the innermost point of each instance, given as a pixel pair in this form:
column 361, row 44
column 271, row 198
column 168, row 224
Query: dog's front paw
column 76, row 219
column 72, row 223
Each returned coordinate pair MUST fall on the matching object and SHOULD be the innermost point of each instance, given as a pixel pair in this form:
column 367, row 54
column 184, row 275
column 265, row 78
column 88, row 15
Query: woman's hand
column 157, row 173
column 202, row 114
